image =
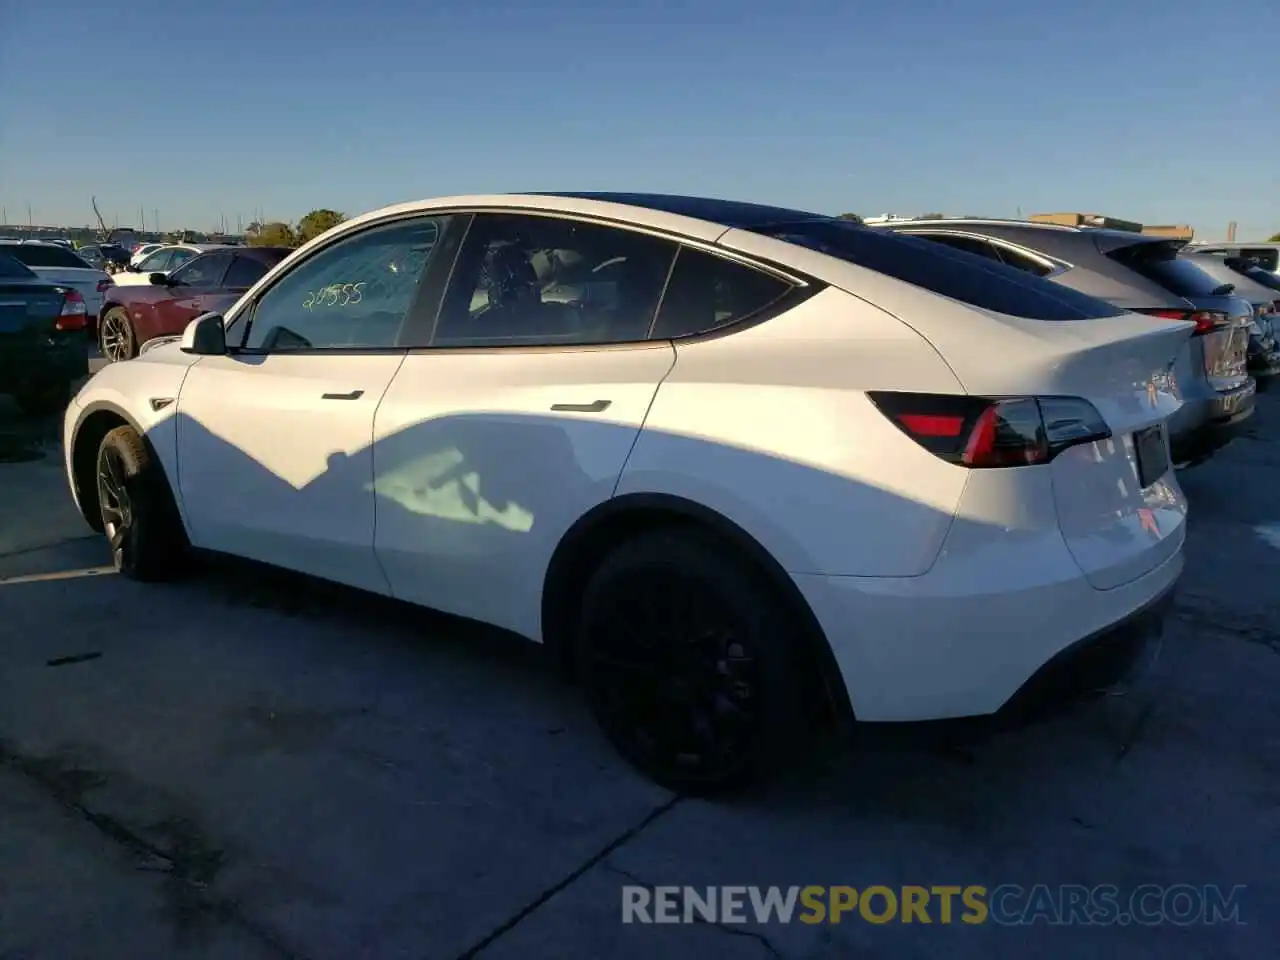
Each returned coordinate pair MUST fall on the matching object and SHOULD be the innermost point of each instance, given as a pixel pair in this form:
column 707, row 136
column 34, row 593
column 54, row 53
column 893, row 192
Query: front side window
column 205, row 271
column 180, row 257
column 353, row 294
column 526, row 280
column 707, row 292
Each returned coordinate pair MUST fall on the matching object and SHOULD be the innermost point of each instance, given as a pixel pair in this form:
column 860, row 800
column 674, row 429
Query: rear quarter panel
column 771, row 427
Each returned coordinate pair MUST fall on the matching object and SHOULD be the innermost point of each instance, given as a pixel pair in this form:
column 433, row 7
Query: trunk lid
column 27, row 310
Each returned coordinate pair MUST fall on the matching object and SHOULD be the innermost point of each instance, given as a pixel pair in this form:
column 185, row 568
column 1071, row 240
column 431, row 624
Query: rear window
column 11, row 269
column 44, row 255
column 1266, row 257
column 1160, row 263
column 953, row 273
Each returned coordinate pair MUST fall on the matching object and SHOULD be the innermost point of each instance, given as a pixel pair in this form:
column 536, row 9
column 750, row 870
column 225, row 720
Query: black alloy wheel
column 687, row 663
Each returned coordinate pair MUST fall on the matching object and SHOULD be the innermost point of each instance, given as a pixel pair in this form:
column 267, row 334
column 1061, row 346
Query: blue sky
column 1157, row 111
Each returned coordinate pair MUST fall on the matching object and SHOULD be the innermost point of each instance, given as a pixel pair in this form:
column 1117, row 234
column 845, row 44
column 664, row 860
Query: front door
column 275, row 456
column 520, row 416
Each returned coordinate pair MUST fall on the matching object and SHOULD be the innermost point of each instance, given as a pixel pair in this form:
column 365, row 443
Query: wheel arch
column 585, row 544
column 96, row 420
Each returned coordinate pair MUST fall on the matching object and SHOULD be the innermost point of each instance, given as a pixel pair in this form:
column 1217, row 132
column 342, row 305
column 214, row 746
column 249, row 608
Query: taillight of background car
column 75, row 313
column 1206, row 321
column 980, row 432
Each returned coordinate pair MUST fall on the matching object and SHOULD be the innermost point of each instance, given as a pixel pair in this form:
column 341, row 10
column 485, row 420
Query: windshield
column 953, row 273
column 45, row 255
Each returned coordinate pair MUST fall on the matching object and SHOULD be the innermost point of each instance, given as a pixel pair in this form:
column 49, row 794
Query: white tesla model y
column 724, row 459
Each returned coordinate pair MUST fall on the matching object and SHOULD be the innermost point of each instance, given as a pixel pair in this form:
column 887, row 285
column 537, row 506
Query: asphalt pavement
column 251, row 764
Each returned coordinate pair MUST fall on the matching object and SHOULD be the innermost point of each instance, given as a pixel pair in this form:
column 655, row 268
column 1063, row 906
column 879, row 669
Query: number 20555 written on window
column 334, row 295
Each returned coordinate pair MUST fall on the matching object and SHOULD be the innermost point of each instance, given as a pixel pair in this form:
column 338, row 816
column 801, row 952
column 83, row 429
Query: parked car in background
column 41, row 338
column 108, row 257
column 59, row 241
column 139, row 253
column 1142, row 273
column 1264, row 357
column 135, row 313
column 1266, row 255
column 163, row 260
column 58, row 265
column 732, row 462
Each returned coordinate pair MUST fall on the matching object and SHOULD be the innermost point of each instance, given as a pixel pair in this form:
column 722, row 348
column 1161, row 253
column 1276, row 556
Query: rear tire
column 42, row 401
column 139, row 516
column 689, row 662
column 116, row 339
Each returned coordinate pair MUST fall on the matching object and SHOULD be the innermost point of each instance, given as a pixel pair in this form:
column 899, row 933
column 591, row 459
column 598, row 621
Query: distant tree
column 275, row 234
column 851, row 216
column 253, row 229
column 931, row 216
column 317, row 222
column 1275, row 238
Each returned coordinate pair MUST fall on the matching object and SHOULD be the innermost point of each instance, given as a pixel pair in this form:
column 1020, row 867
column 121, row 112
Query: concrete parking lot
column 251, row 764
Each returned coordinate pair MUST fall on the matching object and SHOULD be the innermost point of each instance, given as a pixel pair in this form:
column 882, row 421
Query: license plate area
column 1152, row 454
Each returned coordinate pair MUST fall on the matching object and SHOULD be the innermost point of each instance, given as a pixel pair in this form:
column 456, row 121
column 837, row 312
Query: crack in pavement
column 23, row 551
column 189, row 864
column 723, row 928
column 1206, row 613
column 595, row 859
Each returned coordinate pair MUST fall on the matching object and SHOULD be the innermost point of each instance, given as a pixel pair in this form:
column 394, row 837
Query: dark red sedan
column 131, row 315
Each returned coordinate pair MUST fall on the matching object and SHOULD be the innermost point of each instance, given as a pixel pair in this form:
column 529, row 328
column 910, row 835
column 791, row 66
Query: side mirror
column 159, row 280
column 205, row 336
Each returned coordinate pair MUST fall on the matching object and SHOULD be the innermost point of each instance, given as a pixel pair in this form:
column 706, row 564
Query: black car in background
column 104, row 256
column 42, row 330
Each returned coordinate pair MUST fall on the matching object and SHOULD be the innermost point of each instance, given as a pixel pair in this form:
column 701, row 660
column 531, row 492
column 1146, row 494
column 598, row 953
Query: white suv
column 726, row 460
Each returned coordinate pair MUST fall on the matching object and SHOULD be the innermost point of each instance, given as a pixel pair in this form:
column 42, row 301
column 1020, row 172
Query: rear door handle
column 596, row 406
column 353, row 395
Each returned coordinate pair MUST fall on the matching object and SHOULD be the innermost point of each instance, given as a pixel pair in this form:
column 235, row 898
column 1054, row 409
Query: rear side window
column 706, row 292
column 1160, row 263
column 45, row 255
column 245, row 272
column 940, row 269
column 11, row 269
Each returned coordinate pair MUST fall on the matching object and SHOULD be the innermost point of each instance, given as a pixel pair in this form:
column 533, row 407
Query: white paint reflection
column 441, row 485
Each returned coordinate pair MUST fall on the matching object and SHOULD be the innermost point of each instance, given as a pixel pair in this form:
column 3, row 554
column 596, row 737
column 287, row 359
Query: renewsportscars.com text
column 1004, row 905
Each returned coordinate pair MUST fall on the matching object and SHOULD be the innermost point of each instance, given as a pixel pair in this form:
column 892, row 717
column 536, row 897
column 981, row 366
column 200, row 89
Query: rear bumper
column 940, row 647
column 1203, row 426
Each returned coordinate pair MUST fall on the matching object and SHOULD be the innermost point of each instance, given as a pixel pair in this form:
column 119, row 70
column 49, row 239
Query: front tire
column 689, row 662
column 139, row 516
column 116, row 339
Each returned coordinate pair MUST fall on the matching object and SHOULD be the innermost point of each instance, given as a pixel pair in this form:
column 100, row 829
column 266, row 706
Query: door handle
column 596, row 406
column 353, row 395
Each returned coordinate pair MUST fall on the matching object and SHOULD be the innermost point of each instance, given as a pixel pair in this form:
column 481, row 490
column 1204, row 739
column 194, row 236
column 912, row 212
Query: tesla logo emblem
column 1147, row 518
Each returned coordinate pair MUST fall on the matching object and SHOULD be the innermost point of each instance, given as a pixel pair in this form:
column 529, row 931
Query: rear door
column 518, row 415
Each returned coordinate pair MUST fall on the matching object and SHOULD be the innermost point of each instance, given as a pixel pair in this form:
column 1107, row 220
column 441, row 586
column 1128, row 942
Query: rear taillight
column 104, row 284
column 75, row 314
column 1206, row 321
column 982, row 432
